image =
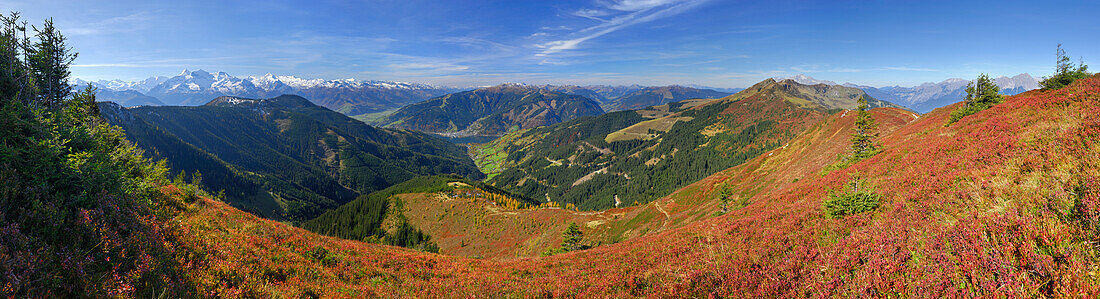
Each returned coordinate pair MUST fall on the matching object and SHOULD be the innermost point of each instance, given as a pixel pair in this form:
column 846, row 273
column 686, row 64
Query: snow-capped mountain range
column 119, row 85
column 927, row 96
column 356, row 97
column 197, row 87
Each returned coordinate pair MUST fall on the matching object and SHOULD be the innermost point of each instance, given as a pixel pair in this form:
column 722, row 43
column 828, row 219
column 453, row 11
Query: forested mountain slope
column 491, row 111
column 621, row 158
column 300, row 159
column 658, row 95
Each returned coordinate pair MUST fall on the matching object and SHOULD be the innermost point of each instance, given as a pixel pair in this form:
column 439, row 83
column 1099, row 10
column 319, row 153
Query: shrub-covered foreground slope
column 1004, row 202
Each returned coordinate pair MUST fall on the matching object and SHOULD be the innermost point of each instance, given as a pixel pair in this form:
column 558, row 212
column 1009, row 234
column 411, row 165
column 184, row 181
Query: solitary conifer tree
column 49, row 61
column 726, row 195
column 863, row 144
column 571, row 238
column 1064, row 71
column 981, row 94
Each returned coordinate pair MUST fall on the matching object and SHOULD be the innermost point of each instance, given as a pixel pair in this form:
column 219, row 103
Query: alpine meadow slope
column 627, row 157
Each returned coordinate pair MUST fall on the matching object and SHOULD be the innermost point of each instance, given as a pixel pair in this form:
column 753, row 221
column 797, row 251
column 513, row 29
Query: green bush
column 571, row 241
column 964, row 111
column 1064, row 72
column 851, row 200
column 840, row 205
column 981, row 94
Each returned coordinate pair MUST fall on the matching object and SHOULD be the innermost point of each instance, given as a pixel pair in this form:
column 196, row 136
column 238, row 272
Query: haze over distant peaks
column 196, row 87
column 807, row 80
column 627, row 97
column 928, row 96
column 931, row 95
column 361, row 97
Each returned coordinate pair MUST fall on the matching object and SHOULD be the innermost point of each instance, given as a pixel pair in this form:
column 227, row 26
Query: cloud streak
column 641, row 11
column 636, row 5
column 125, row 23
column 907, row 69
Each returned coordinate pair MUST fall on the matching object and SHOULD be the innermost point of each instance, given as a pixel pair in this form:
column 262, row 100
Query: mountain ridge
column 196, row 87
column 304, row 158
column 491, row 111
column 624, row 157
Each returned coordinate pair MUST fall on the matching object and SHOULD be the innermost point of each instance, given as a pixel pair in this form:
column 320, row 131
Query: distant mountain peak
column 1022, row 81
column 283, row 101
column 817, row 96
column 807, row 80
column 511, row 85
column 194, row 73
column 930, row 95
column 196, row 87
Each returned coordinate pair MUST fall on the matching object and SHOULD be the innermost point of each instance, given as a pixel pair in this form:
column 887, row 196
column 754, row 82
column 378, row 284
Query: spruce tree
column 863, row 144
column 14, row 81
column 82, row 106
column 981, row 94
column 49, row 61
column 1064, row 71
column 726, row 195
column 571, row 238
column 854, row 198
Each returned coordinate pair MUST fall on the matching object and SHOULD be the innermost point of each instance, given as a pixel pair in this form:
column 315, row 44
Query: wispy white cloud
column 907, row 69
column 636, row 5
column 555, row 28
column 125, row 23
column 640, row 11
column 110, row 65
column 477, row 43
column 430, row 66
column 819, row 68
column 595, row 14
column 166, row 62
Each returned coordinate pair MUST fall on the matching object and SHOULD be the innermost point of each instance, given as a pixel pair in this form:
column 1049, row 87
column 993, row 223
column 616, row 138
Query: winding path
column 667, row 217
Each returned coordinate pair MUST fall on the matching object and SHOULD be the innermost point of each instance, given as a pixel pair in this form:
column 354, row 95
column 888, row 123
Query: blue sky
column 654, row 42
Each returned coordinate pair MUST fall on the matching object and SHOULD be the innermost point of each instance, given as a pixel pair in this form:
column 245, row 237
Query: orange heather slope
column 801, row 158
column 1006, row 202
column 478, row 228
